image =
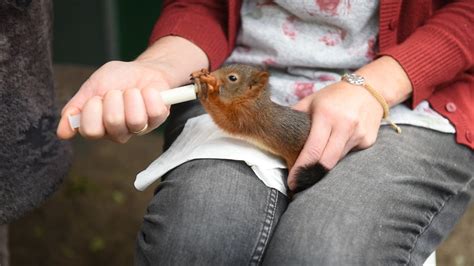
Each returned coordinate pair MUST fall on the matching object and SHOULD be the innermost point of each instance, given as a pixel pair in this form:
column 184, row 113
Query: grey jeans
column 391, row 204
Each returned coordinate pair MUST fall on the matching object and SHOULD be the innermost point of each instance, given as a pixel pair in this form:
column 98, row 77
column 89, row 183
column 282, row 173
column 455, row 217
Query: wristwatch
column 354, row 79
column 358, row 80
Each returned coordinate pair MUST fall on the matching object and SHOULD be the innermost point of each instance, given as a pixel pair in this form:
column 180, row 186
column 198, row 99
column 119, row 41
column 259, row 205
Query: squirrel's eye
column 232, row 77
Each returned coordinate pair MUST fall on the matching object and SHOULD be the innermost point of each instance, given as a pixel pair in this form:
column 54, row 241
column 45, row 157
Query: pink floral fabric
column 303, row 38
column 308, row 45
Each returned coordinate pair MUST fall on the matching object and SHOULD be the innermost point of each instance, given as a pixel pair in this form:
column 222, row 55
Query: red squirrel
column 238, row 100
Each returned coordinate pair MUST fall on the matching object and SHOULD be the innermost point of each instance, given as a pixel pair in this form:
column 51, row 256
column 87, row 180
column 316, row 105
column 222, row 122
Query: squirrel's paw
column 206, row 83
column 199, row 73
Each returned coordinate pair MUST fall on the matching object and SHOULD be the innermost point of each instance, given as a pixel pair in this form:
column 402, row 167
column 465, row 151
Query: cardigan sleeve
column 438, row 51
column 202, row 22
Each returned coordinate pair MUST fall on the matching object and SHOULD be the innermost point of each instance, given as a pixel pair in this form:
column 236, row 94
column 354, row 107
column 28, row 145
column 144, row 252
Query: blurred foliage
column 67, row 252
column 97, row 244
column 79, row 185
column 38, row 231
column 118, row 197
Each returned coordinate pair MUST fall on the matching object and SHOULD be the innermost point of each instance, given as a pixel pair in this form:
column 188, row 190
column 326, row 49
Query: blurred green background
column 94, row 217
column 92, row 32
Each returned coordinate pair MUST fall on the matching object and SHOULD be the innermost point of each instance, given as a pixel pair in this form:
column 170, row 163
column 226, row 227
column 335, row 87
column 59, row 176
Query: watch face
column 354, row 79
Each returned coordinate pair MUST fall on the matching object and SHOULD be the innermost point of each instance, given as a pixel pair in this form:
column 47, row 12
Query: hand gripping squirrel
column 238, row 100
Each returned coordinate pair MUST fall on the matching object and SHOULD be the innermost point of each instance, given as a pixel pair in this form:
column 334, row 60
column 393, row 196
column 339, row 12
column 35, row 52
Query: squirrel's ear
column 260, row 79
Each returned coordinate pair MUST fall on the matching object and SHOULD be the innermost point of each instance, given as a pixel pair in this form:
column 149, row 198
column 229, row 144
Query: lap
column 209, row 212
column 390, row 204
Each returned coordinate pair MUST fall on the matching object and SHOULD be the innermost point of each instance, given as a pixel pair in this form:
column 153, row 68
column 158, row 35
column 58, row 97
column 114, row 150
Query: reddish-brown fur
column 244, row 109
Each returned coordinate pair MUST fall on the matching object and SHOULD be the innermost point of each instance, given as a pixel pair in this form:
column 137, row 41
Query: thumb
column 65, row 131
column 73, row 107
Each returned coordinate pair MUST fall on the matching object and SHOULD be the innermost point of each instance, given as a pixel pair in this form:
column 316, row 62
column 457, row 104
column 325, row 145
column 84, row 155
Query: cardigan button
column 469, row 136
column 393, row 24
column 451, row 107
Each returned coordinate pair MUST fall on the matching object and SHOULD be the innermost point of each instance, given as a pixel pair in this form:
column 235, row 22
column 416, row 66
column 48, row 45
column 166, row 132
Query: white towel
column 202, row 139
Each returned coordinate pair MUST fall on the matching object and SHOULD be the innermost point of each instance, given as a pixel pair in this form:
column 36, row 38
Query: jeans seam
column 433, row 217
column 264, row 235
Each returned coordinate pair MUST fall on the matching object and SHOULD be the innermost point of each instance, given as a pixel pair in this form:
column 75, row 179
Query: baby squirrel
column 238, row 100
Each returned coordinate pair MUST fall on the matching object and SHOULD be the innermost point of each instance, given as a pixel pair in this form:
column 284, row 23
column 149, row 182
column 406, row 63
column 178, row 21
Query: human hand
column 344, row 117
column 119, row 98
column 124, row 97
column 347, row 117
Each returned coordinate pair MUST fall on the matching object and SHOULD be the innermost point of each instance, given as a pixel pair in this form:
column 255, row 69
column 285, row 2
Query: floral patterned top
column 308, row 45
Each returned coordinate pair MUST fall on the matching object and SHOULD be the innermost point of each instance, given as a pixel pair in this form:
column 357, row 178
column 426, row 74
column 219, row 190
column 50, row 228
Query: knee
column 337, row 242
column 199, row 190
column 339, row 231
column 203, row 213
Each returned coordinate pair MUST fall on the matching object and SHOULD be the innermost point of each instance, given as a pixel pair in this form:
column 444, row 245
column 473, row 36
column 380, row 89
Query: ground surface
column 94, row 217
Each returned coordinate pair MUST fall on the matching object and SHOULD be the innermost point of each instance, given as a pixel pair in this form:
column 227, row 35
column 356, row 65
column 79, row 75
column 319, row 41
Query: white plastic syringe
column 169, row 97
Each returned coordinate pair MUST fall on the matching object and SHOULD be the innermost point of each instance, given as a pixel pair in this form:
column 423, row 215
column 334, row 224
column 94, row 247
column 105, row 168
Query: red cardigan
column 433, row 42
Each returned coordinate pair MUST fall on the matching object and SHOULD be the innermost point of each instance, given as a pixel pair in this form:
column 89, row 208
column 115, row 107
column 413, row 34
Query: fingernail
column 74, row 121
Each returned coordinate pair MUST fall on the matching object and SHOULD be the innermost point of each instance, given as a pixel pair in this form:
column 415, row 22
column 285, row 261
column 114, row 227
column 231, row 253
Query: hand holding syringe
column 121, row 97
column 169, row 97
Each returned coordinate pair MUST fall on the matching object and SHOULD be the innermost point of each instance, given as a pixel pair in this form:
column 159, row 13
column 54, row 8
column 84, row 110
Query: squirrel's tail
column 309, row 175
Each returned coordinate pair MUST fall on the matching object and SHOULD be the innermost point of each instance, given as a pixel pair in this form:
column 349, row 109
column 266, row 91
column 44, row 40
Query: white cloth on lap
column 202, row 139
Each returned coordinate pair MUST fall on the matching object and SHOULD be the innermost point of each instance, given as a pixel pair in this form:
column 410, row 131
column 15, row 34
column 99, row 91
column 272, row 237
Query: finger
column 334, row 149
column 156, row 110
column 348, row 148
column 313, row 148
column 114, row 116
column 91, row 119
column 362, row 138
column 64, row 130
column 135, row 113
column 351, row 144
column 79, row 99
column 73, row 107
column 303, row 105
